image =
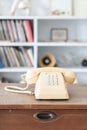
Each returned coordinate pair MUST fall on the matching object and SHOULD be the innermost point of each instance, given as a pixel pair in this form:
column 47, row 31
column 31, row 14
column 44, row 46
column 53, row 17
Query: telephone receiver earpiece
column 32, row 75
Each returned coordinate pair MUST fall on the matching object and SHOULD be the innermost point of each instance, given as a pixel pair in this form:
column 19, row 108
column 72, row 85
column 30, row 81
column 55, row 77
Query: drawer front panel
column 43, row 119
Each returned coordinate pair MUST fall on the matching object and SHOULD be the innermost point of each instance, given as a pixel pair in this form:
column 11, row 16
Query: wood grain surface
column 77, row 100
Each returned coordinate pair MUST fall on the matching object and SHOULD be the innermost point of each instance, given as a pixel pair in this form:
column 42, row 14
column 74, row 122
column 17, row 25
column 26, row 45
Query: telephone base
column 51, row 86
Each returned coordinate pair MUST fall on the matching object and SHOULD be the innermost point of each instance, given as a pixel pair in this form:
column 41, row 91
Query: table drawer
column 43, row 119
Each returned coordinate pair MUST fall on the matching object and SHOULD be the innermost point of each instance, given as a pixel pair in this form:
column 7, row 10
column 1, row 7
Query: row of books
column 16, row 57
column 16, row 30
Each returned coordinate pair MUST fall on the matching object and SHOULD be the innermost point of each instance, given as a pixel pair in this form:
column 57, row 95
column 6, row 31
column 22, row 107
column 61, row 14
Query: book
column 29, row 60
column 28, row 30
column 18, row 30
column 7, row 38
column 24, row 30
column 7, row 56
column 14, row 30
column 17, row 64
column 11, row 60
column 4, row 60
column 17, row 51
column 10, row 32
column 22, row 33
column 25, row 57
column 30, row 53
column 2, row 36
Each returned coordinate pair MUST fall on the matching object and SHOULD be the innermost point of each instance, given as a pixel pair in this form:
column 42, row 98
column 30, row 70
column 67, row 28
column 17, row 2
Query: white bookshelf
column 40, row 48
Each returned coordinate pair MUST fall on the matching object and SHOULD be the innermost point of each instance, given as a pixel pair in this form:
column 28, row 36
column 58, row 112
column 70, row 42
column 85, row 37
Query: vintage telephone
column 50, row 83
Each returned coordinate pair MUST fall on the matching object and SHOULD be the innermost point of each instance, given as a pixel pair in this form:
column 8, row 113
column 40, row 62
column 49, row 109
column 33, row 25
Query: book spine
column 7, row 56
column 14, row 30
column 28, row 30
column 18, row 56
column 15, row 57
column 2, row 36
column 22, row 58
column 2, row 54
column 20, row 31
column 18, row 40
column 11, row 60
column 27, row 54
column 9, row 27
column 5, row 30
column 22, row 34
column 30, row 53
column 25, row 57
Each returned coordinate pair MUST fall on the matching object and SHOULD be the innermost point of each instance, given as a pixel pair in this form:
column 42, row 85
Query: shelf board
column 16, row 17
column 79, row 70
column 61, row 17
column 65, row 44
column 25, row 69
column 43, row 44
column 42, row 17
column 16, row 69
column 4, row 43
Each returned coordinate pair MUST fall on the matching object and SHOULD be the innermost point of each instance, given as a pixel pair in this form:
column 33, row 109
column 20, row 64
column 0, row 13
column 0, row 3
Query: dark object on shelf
column 3, row 80
column 84, row 62
column 47, row 60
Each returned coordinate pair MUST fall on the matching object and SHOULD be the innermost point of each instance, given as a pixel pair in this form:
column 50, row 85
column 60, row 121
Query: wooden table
column 23, row 112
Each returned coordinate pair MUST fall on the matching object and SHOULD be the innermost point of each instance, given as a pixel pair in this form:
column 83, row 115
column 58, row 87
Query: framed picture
column 61, row 7
column 59, row 34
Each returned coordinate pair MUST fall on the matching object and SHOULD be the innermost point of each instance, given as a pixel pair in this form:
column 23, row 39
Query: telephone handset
column 50, row 83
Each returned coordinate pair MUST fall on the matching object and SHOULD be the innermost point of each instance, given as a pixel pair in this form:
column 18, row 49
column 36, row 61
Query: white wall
column 41, row 7
column 38, row 7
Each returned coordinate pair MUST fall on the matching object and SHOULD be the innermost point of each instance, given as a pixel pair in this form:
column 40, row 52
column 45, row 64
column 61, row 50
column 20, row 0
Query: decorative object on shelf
column 21, row 4
column 80, row 7
column 48, row 60
column 59, row 34
column 84, row 62
column 60, row 7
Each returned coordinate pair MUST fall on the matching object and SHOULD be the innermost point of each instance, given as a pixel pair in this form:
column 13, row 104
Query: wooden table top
column 77, row 100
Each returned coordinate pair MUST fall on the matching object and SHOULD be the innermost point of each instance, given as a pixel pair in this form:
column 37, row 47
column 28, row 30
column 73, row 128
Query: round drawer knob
column 45, row 115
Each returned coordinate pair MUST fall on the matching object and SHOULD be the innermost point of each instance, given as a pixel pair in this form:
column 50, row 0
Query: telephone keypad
column 51, row 79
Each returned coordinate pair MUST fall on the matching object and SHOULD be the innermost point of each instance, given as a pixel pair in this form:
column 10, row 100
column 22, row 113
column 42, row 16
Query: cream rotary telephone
column 50, row 83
